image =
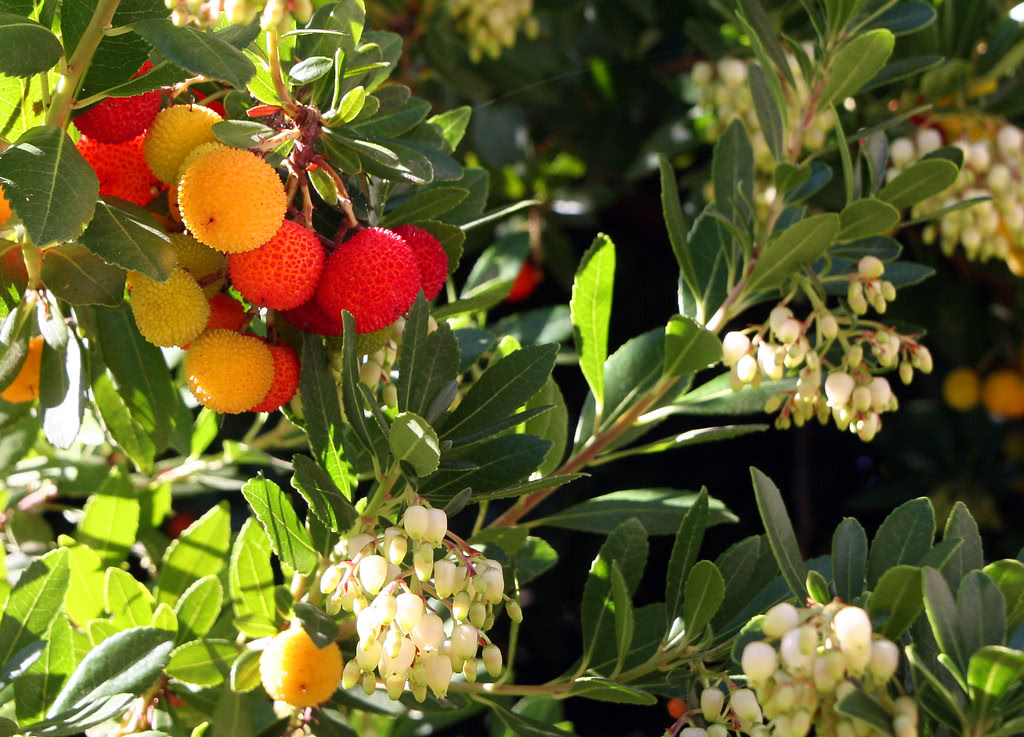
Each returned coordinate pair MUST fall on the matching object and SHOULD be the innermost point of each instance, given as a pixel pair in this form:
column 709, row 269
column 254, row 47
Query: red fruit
column 225, row 312
column 216, row 105
column 121, row 168
column 311, row 318
column 178, row 523
column 430, row 256
column 526, row 282
column 374, row 276
column 676, row 708
column 286, row 379
column 119, row 119
column 283, row 272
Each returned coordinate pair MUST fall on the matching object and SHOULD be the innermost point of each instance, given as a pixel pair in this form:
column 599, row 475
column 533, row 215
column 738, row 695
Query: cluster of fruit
column 391, row 581
column 722, row 94
column 232, row 205
column 1000, row 392
column 491, row 25
column 856, row 350
column 809, row 660
column 993, row 167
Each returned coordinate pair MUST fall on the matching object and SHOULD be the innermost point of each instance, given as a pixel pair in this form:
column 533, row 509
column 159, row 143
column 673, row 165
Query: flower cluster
column 398, row 592
column 491, row 25
column 208, row 13
column 802, row 669
column 993, row 167
column 851, row 350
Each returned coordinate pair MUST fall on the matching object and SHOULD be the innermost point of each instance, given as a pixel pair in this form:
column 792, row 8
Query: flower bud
column 784, row 698
column 428, row 634
column 399, row 662
column 769, row 361
column 855, row 297
column 711, row 702
column 928, row 140
column 718, row 730
column 334, row 602
column 693, row 732
column 478, row 614
column 415, row 521
column 437, row 525
column 395, row 546
column 789, row 330
column 356, row 543
column 423, row 560
column 921, row 359
column 1009, row 140
column 395, row 684
column 460, row 606
column 903, row 726
column 777, row 316
column 393, row 643
column 493, row 585
column 860, row 399
column 350, row 676
column 801, row 724
column 838, row 388
column 906, row 705
column 885, row 659
column 369, row 683
column 744, row 703
column 853, row 628
column 733, row 72
column 797, row 661
column 439, row 673
column 408, row 610
column 330, row 579
column 388, row 607
column 515, row 612
column 746, row 369
column 444, row 578
column 701, row 73
column 469, row 669
column 419, row 692
column 759, row 661
column 368, row 653
column 492, row 660
column 901, row 151
column 979, row 156
column 390, row 395
column 829, row 326
column 780, row 619
column 735, row 345
column 464, row 641
column 373, row 572
column 368, row 623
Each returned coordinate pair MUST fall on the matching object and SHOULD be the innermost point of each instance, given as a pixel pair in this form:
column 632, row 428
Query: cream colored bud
column 492, row 660
column 395, row 684
column 1009, row 140
column 902, row 152
column 885, row 659
column 368, row 654
column 744, row 703
column 861, row 399
column 829, row 326
column 718, row 730
column 746, row 368
column 870, row 267
column 906, row 705
column 330, row 579
column 800, row 724
column 921, row 359
column 402, row 659
column 439, row 673
column 423, row 560
column 979, row 156
column 493, row 585
column 464, row 641
column 881, row 393
column 769, row 361
column 388, row 606
column 903, row 726
column 428, row 634
column 396, row 549
column 844, row 689
column 373, row 572
column 855, row 298
column 701, row 72
column 853, row 628
column 759, row 661
column 514, row 611
column 783, row 698
column 777, row 316
column 712, row 700
column 693, row 732
column 368, row 623
column 390, row 395
column 733, row 72
column 415, row 521
column 928, row 140
column 839, row 387
column 795, row 659
column 469, row 669
column 444, row 578
column 393, row 643
column 369, row 373
column 356, row 543
column 999, row 179
column 408, row 610
column 437, row 525
column 369, row 683
column 780, row 619
column 460, row 606
column 350, row 676
column 789, row 330
column 735, row 345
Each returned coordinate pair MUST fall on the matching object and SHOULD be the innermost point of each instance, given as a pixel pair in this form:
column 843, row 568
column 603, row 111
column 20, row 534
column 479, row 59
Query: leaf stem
column 71, row 78
column 289, row 105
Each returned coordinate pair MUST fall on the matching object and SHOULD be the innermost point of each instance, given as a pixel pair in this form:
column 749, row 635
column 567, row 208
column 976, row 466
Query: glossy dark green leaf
column 768, row 114
column 732, row 174
column 245, row 672
column 287, row 536
column 84, row 598
column 533, row 558
column 856, row 63
column 981, row 613
column 866, row 217
column 320, row 626
column 904, row 17
column 197, row 52
column 689, row 347
column 606, row 689
column 426, row 363
column 590, row 309
column 323, row 497
column 905, row 536
column 552, row 426
column 1008, row 575
column 414, row 442
column 397, row 121
column 898, row 598
column 859, row 706
column 675, row 223
column 428, row 204
column 623, row 608
column 323, row 413
column 75, row 720
column 849, row 559
column 919, row 181
column 201, row 550
column 126, row 432
column 991, row 672
column 48, row 184
column 525, row 726
column 242, row 133
column 780, row 532
column 702, row 596
column 903, row 68
column 310, row 69
column 124, row 234
column 797, row 246
column 26, row 47
column 942, row 615
column 494, row 469
column 969, row 556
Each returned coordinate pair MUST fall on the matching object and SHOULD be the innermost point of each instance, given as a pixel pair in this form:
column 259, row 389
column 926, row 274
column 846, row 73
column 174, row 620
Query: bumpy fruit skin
column 226, row 313
column 5, row 207
column 119, row 119
column 1002, row 394
column 311, row 318
column 374, row 276
column 294, row 670
column 962, row 389
column 286, row 379
column 169, row 313
column 283, row 272
column 173, row 134
column 199, row 260
column 121, row 168
column 25, row 387
column 232, row 200
column 227, row 371
column 430, row 256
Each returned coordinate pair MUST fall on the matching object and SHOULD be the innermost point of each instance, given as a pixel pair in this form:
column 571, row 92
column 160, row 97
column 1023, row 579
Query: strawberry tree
column 213, row 209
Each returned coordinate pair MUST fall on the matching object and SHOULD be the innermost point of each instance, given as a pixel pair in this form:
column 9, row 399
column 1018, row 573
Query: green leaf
column 675, row 224
column 898, row 598
column 780, row 533
column 372, row 437
column 919, row 181
column 324, row 498
column 453, row 124
column 245, row 672
column 687, row 544
column 427, row 204
column 288, row 537
column 942, row 615
column 197, row 52
column 79, row 718
column 689, row 347
column 904, row 17
column 14, row 336
column 552, row 426
column 45, row 677
column 981, row 612
column 127, row 599
column 969, row 556
column 414, row 441
column 127, row 662
column 732, row 174
column 797, row 246
column 84, row 598
column 606, row 689
column 124, row 429
column 34, row 602
column 199, row 551
column 623, row 607
column 856, row 63
column 395, row 122
column 323, row 413
column 202, row 662
column 858, row 705
column 866, row 217
column 905, row 536
column 318, row 624
column 198, row 608
column 991, row 672
column 1008, row 575
column 942, row 704
column 426, row 363
column 62, row 395
column 591, row 310
column 128, row 236
column 627, row 546
column 533, row 558
column 242, row 133
column 849, row 559
column 768, row 112
column 524, row 726
column 310, row 69
column 250, row 576
column 501, row 389
column 387, row 159
column 26, row 47
column 767, row 36
column 164, row 619
column 48, row 184
column 111, row 520
column 498, row 465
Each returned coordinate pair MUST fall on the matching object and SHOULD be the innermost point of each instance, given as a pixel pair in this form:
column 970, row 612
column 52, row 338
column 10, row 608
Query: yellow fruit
column 294, row 670
column 1002, row 394
column 961, row 389
column 232, row 200
column 25, row 386
column 173, row 134
column 5, row 207
column 200, row 150
column 169, row 313
column 227, row 371
column 199, row 260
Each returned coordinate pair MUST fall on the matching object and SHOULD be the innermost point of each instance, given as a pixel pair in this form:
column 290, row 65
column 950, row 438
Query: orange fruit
column 25, row 386
column 294, row 670
column 1002, row 394
column 961, row 389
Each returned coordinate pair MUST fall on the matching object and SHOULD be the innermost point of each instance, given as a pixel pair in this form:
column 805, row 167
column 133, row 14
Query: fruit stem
column 71, row 78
